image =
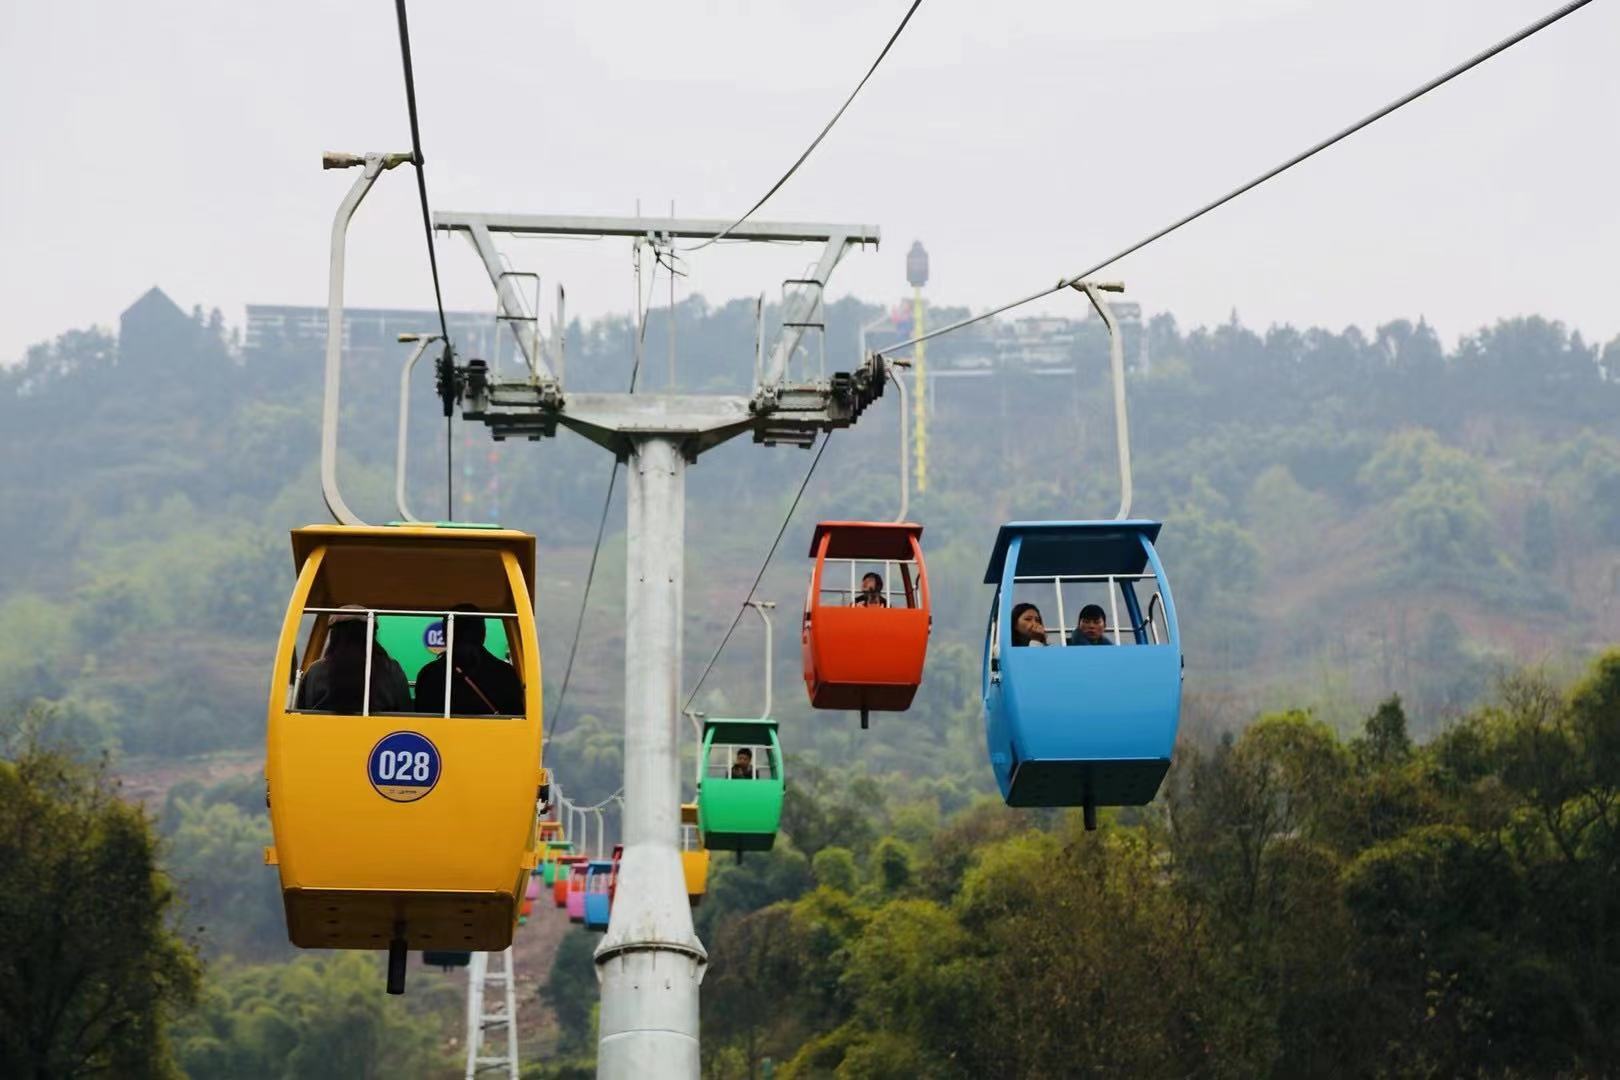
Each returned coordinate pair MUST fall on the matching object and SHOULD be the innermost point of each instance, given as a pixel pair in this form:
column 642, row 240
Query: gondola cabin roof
column 425, row 566
column 1052, row 548
column 875, row 540
column 750, row 730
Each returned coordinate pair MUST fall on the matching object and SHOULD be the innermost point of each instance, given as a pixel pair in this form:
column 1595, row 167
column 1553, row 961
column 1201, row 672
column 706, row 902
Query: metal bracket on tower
column 778, row 411
column 509, row 303
column 532, row 317
column 813, row 319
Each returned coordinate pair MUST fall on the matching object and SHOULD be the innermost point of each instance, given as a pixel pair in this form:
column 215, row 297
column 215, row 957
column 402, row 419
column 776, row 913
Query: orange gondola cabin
column 866, row 617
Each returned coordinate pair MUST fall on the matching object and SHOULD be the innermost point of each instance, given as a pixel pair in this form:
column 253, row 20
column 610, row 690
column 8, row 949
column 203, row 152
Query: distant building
column 279, row 327
column 1039, row 341
column 154, row 331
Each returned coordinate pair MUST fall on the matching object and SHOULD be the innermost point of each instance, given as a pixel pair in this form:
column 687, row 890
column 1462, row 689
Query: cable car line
column 448, row 377
column 416, row 150
column 742, row 607
column 607, row 502
column 1366, row 121
column 579, row 623
column 581, row 808
column 723, row 233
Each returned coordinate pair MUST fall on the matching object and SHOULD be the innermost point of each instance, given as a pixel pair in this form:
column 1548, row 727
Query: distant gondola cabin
column 598, row 898
column 563, row 878
column 694, row 856
column 552, row 860
column 578, row 872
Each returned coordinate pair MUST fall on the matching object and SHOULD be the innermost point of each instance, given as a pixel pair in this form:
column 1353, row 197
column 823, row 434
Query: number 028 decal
column 404, row 766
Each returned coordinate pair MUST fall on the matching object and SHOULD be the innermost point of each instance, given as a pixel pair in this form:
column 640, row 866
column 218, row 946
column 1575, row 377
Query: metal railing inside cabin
column 1149, row 628
column 908, row 593
column 372, row 648
column 723, row 760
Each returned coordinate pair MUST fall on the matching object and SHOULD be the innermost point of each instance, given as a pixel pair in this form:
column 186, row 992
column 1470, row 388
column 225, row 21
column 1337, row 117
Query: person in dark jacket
column 1093, row 627
column 336, row 682
column 481, row 684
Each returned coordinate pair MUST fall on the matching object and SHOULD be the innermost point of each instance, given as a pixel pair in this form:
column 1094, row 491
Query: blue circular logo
column 433, row 637
column 404, row 766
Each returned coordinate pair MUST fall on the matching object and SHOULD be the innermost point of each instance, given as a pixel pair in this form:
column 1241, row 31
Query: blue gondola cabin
column 1066, row 724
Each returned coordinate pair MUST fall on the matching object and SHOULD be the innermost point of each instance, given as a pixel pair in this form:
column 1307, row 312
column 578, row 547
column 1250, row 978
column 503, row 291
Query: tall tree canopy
column 91, row 972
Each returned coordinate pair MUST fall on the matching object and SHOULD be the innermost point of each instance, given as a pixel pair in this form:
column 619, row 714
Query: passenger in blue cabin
column 1093, row 627
column 336, row 682
column 871, row 594
column 1027, row 625
column 482, row 683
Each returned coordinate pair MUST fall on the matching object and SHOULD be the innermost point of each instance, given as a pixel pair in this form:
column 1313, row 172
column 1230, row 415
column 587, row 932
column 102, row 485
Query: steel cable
column 1366, row 121
column 769, row 555
column 723, row 233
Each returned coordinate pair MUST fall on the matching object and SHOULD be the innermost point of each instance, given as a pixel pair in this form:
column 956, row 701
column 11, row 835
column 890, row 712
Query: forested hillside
column 1349, row 516
column 1296, row 903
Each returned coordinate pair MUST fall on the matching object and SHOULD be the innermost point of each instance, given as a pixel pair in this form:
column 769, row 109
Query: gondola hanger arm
column 1116, row 363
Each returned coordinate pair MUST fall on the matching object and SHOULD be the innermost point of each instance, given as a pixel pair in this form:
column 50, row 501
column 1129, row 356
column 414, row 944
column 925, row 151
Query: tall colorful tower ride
column 917, row 277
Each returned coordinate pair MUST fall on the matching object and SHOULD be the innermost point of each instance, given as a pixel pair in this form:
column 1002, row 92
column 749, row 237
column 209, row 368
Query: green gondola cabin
column 553, row 859
column 740, row 785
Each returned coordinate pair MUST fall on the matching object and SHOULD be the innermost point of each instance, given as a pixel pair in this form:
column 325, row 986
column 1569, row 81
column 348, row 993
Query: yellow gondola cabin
column 403, row 810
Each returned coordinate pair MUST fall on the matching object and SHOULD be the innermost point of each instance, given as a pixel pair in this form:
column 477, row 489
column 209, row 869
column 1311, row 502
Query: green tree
column 834, row 868
column 891, row 865
column 218, row 861
column 91, row 973
column 319, row 1016
column 570, row 990
column 754, row 964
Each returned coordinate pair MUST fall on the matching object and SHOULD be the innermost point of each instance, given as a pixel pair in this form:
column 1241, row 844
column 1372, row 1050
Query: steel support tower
column 491, row 1032
column 650, row 962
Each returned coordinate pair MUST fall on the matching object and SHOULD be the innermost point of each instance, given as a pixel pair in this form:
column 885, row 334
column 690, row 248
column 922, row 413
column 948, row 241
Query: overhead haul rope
column 723, row 233
column 445, row 371
column 589, row 809
column 742, row 607
column 1366, row 121
column 613, row 479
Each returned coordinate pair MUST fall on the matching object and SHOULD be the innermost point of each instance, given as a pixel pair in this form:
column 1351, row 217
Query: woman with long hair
column 1027, row 627
column 336, row 682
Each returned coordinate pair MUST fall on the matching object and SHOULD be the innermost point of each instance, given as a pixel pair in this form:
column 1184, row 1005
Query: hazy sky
column 177, row 142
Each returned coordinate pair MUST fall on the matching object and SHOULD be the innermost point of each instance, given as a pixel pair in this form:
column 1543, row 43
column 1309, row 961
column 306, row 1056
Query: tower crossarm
column 800, row 306
column 792, row 413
